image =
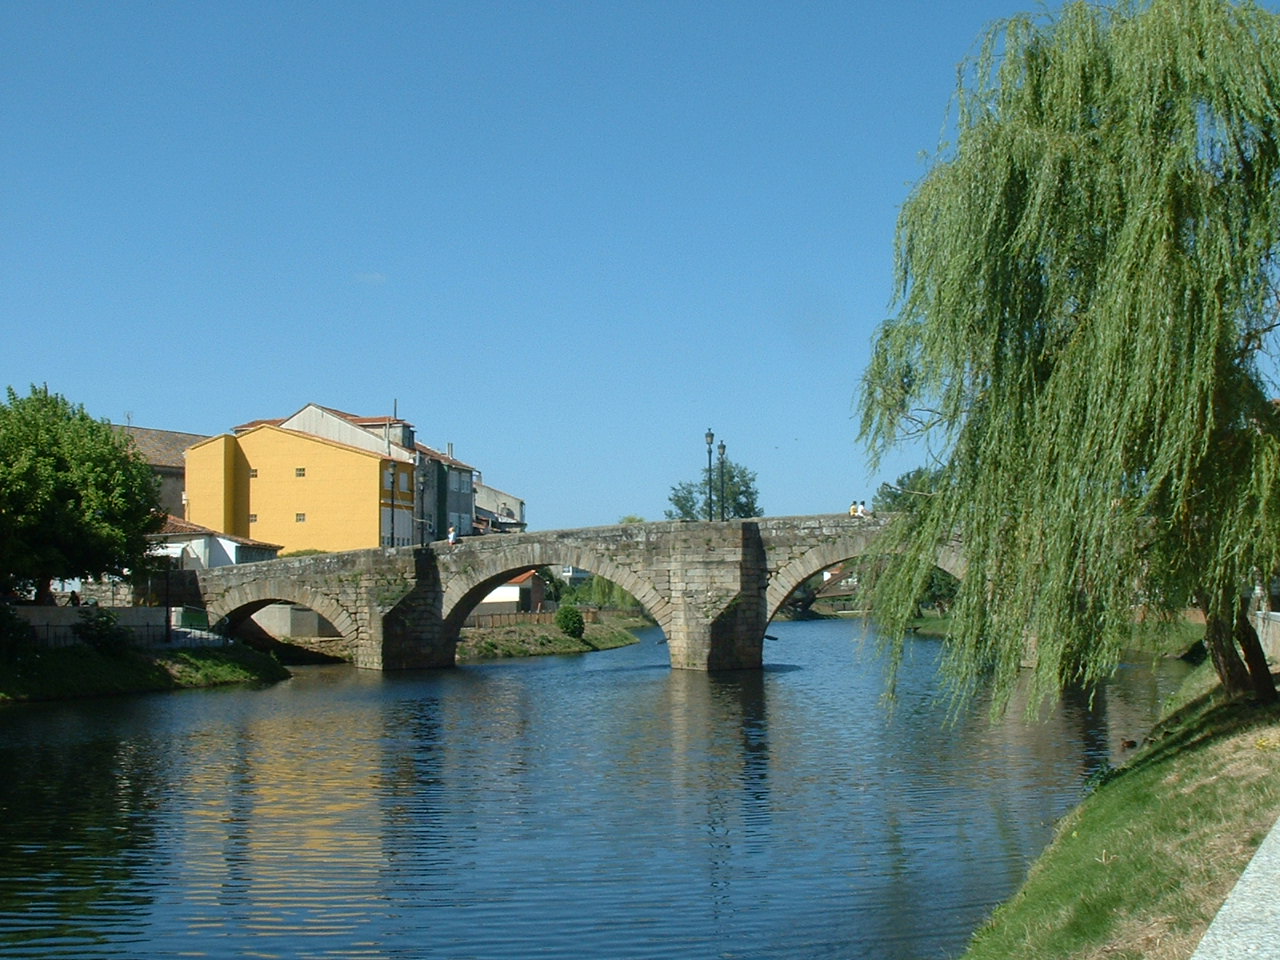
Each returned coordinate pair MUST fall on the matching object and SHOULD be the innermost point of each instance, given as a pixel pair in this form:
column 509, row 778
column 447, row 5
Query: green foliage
column 598, row 591
column 907, row 492
column 569, row 621
column 555, row 588
column 100, row 628
column 76, row 671
column 76, row 499
column 940, row 590
column 1087, row 282
column 689, row 500
column 308, row 552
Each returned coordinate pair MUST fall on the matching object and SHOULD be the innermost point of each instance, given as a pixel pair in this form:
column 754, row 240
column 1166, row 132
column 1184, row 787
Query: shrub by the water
column 100, row 629
column 569, row 620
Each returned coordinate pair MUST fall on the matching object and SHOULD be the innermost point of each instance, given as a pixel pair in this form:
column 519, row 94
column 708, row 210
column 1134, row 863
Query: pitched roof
column 252, row 424
column 365, row 423
column 442, row 457
column 178, row 527
column 160, row 448
column 380, row 421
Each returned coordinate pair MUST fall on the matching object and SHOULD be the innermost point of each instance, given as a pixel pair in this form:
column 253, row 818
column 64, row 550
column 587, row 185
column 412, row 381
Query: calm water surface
column 598, row 806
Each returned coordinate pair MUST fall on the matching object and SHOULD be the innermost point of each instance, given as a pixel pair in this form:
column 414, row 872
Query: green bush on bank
column 570, row 621
column 100, row 628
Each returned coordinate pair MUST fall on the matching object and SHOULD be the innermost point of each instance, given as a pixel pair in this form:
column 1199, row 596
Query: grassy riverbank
column 63, row 673
column 532, row 640
column 1140, row 868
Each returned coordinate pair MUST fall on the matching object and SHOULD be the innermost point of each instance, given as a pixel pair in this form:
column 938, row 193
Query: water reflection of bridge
column 711, row 587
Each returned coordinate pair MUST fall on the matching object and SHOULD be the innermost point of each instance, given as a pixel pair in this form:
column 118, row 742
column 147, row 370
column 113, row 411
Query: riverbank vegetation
column 80, row 670
column 534, row 639
column 1140, row 868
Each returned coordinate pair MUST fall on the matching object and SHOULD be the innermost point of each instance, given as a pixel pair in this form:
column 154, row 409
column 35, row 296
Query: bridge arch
column 245, row 599
column 468, row 588
column 827, row 553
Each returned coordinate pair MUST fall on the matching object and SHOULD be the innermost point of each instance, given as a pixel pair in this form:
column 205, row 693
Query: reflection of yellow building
column 302, row 491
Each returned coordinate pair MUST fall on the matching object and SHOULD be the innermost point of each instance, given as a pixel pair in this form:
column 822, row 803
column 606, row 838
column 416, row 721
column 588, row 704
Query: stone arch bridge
column 712, row 587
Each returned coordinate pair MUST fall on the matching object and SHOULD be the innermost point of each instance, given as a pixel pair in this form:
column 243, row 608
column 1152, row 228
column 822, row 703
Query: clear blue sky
column 565, row 237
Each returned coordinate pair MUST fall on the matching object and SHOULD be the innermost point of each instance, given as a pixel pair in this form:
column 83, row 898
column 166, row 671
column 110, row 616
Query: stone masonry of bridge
column 711, row 586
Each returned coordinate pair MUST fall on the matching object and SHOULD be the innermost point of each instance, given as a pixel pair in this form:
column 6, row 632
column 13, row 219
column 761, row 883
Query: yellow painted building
column 299, row 490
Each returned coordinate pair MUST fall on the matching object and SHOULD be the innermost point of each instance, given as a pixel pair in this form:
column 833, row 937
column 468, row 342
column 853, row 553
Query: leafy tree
column 76, row 498
column 555, row 587
column 689, row 500
column 1086, row 285
column 906, row 492
column 597, row 591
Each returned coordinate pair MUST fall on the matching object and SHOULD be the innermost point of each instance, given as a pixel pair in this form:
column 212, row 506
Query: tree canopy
column 906, row 492
column 693, row 500
column 1083, row 333
column 76, row 499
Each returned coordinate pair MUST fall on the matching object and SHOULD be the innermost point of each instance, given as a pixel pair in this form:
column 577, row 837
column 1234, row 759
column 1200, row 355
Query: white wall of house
column 208, row 551
column 503, row 599
column 319, row 422
column 499, row 502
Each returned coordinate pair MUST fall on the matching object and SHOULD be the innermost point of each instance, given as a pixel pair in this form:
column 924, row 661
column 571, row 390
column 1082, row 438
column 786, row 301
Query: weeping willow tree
column 1086, row 302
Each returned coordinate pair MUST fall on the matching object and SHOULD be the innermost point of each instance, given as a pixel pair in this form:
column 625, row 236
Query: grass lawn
column 532, row 639
column 1140, row 868
column 81, row 671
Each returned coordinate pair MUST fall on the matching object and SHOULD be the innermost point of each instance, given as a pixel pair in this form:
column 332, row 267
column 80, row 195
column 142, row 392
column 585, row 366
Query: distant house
column 498, row 511
column 327, row 480
column 163, row 451
column 193, row 547
column 188, row 546
column 523, row 594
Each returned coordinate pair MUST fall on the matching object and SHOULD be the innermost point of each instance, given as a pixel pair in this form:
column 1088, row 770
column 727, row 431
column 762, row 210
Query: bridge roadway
column 712, row 587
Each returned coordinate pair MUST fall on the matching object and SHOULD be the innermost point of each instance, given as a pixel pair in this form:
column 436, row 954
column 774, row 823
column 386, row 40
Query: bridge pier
column 718, row 607
column 410, row 634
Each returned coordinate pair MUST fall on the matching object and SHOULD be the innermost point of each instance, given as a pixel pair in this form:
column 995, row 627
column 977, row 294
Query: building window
column 299, row 471
column 253, row 518
column 253, row 472
column 300, row 518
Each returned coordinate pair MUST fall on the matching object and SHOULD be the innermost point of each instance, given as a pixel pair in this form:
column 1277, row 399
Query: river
column 592, row 806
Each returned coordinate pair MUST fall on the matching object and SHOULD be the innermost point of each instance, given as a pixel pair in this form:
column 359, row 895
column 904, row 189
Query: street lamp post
column 721, row 450
column 711, row 438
